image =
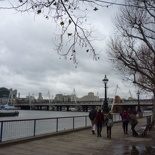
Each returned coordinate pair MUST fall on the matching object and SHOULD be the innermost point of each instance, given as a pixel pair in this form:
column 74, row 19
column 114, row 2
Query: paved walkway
column 84, row 143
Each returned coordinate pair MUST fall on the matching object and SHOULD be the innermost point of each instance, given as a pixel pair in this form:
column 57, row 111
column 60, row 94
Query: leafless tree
column 70, row 16
column 132, row 48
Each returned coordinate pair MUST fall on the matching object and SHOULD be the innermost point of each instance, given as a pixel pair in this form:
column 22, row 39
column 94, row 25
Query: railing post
column 57, row 125
column 73, row 123
column 34, row 131
column 1, row 134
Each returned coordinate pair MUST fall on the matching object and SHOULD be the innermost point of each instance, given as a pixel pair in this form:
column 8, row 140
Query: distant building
column 4, row 92
column 62, row 98
column 89, row 97
column 130, row 98
column 59, row 97
column 7, row 95
column 30, row 98
column 40, row 98
column 66, row 98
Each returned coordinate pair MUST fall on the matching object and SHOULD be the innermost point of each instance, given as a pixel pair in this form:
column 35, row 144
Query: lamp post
column 105, row 104
column 138, row 101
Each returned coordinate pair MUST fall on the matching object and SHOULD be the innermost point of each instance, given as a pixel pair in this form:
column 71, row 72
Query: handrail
column 39, row 118
column 23, row 128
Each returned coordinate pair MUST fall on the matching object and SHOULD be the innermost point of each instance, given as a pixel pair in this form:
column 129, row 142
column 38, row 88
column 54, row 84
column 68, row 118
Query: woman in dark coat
column 109, row 124
column 92, row 117
column 125, row 121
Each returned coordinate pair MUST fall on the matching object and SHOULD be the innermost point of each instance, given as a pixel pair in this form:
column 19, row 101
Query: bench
column 143, row 130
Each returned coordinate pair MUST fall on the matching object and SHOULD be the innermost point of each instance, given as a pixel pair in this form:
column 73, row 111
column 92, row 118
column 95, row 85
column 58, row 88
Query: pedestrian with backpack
column 92, row 117
column 109, row 124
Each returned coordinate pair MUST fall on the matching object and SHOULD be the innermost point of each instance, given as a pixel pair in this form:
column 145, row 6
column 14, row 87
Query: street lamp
column 105, row 105
column 138, row 101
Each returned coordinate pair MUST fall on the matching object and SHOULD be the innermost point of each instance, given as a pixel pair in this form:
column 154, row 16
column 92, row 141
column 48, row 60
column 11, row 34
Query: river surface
column 22, row 129
column 33, row 114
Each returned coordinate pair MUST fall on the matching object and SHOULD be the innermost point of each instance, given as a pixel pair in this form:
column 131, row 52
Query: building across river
column 69, row 102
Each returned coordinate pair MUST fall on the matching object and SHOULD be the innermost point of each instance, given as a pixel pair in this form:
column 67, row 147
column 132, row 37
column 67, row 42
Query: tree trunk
column 153, row 114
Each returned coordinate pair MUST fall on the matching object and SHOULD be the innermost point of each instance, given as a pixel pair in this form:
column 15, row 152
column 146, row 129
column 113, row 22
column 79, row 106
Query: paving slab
column 83, row 142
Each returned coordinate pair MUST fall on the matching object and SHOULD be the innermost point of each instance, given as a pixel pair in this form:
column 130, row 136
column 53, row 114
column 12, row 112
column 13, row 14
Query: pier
column 80, row 105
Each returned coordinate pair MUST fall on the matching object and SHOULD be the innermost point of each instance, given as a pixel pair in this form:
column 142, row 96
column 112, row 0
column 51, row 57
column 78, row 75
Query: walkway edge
column 27, row 139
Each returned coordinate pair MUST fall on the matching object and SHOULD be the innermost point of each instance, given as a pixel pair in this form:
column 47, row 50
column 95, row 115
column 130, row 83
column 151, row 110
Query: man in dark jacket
column 99, row 122
column 92, row 116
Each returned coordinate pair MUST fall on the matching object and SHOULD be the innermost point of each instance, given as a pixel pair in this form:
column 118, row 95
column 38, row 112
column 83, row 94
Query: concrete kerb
column 43, row 136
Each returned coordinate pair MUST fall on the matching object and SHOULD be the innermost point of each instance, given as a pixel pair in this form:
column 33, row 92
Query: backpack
column 109, row 123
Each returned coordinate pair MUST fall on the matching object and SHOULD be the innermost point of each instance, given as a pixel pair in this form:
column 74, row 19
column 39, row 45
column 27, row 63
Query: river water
column 19, row 128
column 33, row 114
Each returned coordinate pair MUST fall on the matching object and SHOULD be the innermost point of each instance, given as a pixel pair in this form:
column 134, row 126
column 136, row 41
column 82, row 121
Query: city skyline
column 51, row 96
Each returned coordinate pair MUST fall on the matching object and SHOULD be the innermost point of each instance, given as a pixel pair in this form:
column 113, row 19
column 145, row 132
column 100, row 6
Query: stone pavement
column 82, row 142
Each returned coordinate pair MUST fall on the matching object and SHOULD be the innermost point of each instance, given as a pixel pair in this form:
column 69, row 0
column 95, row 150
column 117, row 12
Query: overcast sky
column 29, row 63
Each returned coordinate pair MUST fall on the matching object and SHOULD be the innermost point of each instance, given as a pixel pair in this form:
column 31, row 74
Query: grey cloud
column 29, row 63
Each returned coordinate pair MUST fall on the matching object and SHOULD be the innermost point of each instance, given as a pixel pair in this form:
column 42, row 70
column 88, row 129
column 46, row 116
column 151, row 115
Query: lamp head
column 138, row 92
column 105, row 80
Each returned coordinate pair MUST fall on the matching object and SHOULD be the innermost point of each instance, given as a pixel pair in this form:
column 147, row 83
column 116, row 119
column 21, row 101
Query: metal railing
column 147, row 113
column 16, row 129
column 24, row 128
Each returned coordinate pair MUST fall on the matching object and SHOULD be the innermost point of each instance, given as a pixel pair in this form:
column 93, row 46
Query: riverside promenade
column 83, row 142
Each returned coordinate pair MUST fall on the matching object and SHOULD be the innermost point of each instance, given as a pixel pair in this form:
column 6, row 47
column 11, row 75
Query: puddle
column 134, row 150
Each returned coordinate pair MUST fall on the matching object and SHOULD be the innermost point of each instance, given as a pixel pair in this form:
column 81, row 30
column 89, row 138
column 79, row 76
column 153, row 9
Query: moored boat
column 8, row 113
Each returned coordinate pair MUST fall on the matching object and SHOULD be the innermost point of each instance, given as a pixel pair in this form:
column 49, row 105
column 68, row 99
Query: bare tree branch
column 132, row 49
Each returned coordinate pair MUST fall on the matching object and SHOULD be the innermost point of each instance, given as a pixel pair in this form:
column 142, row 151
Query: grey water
column 33, row 114
column 19, row 129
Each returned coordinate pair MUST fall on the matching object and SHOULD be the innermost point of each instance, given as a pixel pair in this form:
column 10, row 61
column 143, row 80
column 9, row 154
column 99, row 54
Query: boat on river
column 6, row 108
column 8, row 111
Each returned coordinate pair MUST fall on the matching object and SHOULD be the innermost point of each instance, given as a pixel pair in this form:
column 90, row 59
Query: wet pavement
column 83, row 142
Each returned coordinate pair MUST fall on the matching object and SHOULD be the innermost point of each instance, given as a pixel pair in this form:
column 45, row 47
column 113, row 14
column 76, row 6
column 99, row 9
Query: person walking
column 125, row 121
column 99, row 122
column 133, row 121
column 92, row 116
column 109, row 124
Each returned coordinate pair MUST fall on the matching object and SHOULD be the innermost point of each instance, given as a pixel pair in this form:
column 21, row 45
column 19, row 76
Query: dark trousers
column 125, row 127
column 108, row 132
column 134, row 133
column 99, row 128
